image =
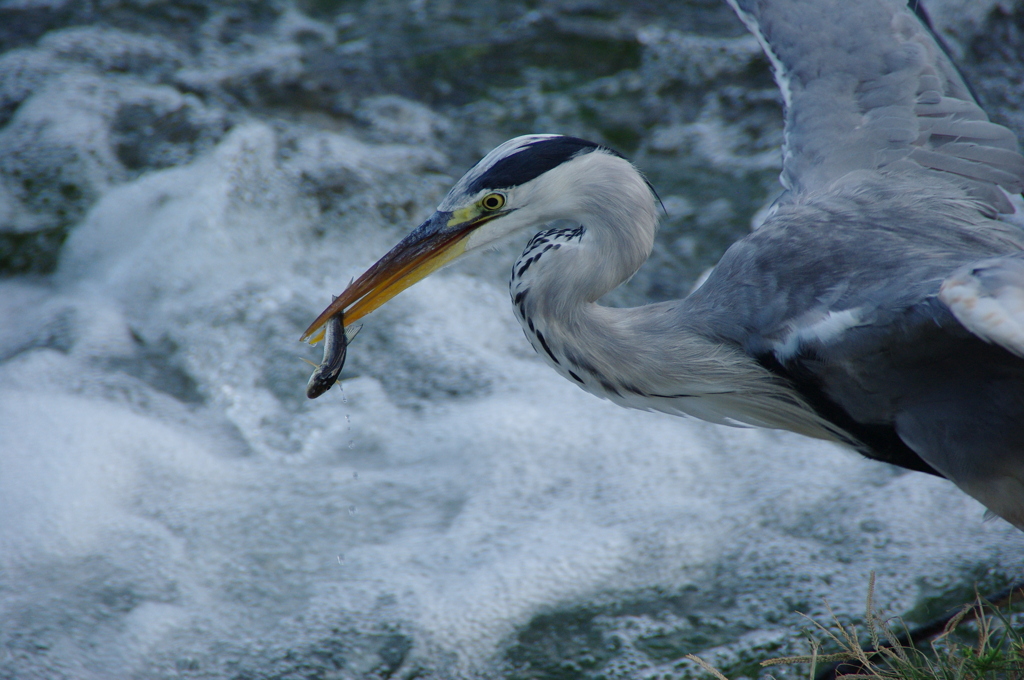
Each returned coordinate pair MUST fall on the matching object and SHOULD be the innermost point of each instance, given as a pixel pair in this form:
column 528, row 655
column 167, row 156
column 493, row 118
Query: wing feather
column 867, row 87
column 987, row 297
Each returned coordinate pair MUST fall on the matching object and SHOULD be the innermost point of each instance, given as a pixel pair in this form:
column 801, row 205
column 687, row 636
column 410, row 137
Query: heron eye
column 492, row 201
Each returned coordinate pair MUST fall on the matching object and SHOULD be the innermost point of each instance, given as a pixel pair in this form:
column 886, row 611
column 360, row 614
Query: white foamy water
column 173, row 506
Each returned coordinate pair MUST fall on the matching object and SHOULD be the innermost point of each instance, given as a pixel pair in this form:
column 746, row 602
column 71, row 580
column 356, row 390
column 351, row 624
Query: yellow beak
column 429, row 247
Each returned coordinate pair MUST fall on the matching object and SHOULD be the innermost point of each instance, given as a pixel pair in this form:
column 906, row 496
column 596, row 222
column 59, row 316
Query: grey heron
column 879, row 305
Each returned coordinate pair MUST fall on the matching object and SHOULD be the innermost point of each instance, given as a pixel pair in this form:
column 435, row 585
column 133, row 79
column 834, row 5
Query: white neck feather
column 643, row 357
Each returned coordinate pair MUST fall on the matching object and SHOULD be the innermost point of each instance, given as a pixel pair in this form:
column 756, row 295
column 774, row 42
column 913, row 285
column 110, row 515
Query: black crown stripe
column 532, row 161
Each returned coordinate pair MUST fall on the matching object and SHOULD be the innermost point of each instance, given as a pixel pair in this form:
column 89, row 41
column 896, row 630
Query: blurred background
column 183, row 185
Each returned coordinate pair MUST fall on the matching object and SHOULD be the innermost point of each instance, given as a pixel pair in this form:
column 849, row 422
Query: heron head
column 526, row 181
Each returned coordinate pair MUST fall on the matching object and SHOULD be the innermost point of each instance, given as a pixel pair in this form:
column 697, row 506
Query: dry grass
column 981, row 642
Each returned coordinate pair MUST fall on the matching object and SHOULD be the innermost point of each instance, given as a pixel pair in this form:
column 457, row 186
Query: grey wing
column 955, row 401
column 905, row 334
column 866, row 87
column 918, row 389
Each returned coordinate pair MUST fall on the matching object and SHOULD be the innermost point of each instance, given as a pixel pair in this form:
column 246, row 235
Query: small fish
column 335, row 349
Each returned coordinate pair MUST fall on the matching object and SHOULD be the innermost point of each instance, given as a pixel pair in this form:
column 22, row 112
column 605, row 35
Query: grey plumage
column 866, row 86
column 880, row 305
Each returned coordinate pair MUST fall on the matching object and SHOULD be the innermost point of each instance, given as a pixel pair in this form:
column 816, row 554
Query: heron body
column 880, row 305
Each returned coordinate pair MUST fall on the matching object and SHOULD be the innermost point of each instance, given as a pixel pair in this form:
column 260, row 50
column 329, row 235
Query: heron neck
column 618, row 226
column 557, row 302
column 652, row 357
